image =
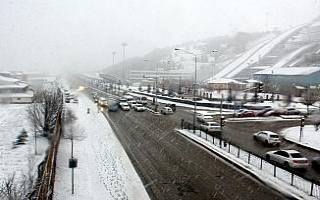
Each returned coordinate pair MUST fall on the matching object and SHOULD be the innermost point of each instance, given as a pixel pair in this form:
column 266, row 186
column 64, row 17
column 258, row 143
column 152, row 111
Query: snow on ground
column 309, row 136
column 19, row 160
column 104, row 170
column 254, row 54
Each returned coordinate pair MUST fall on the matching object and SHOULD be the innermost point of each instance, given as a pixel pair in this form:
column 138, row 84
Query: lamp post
column 124, row 54
column 194, row 86
column 214, row 51
column 113, row 54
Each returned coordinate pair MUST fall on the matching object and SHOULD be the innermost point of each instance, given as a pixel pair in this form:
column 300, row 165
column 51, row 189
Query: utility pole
column 113, row 54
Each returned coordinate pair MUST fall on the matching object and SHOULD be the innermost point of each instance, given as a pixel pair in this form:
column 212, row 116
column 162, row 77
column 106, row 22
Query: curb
column 301, row 145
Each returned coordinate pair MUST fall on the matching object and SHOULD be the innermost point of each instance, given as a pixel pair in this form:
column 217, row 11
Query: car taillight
column 300, row 161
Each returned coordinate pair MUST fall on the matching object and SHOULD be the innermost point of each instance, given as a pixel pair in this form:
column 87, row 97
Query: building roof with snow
column 223, row 80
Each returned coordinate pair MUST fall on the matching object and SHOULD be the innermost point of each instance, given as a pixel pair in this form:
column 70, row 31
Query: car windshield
column 296, row 155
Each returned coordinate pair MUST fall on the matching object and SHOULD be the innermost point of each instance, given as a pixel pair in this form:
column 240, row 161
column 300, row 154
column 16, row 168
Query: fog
column 80, row 35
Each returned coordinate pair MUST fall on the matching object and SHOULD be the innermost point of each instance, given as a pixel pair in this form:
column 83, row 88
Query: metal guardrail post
column 274, row 171
column 238, row 155
column 249, row 158
column 311, row 191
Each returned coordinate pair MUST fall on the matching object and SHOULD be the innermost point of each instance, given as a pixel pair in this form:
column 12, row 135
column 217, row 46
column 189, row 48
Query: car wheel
column 266, row 142
column 255, row 137
column 286, row 164
column 268, row 157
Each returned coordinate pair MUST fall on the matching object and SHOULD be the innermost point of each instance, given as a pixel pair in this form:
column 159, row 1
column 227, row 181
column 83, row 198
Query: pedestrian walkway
column 104, row 170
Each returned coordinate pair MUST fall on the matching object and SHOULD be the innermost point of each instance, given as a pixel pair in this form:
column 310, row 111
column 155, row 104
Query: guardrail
column 309, row 186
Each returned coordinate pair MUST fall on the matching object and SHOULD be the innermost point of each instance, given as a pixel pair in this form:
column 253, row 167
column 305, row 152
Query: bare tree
column 310, row 98
column 42, row 114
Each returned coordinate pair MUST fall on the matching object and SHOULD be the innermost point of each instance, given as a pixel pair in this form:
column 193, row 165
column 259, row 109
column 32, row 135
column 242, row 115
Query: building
column 303, row 76
column 14, row 91
column 139, row 75
column 225, row 84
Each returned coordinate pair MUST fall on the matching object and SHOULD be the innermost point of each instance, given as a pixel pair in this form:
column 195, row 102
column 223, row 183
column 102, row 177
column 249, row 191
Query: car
column 210, row 127
column 75, row 100
column 292, row 111
column 204, row 118
column 103, row 102
column 267, row 137
column 143, row 100
column 166, row 110
column 247, row 113
column 124, row 106
column 288, row 158
column 139, row 107
column 261, row 113
column 275, row 112
column 172, row 106
column 122, row 101
column 132, row 103
column 316, row 162
column 236, row 114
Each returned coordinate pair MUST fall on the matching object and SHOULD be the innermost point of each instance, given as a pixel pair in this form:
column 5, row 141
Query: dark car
column 172, row 106
column 316, row 163
column 247, row 113
column 262, row 112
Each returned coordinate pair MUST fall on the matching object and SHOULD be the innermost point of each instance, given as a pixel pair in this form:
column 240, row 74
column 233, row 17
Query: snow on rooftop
column 223, row 80
column 290, row 71
column 7, row 79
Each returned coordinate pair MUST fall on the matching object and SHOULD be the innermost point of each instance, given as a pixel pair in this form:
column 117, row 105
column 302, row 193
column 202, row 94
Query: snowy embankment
column 104, row 170
column 254, row 54
column 18, row 159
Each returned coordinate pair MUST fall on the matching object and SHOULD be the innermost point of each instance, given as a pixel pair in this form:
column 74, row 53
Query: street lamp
column 113, row 54
column 124, row 54
column 214, row 51
column 194, row 86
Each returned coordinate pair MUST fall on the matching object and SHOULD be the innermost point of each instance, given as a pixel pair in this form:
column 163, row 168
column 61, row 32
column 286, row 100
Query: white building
column 14, row 91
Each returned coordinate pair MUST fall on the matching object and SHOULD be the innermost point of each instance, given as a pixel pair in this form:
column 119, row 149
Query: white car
column 132, row 103
column 103, row 102
column 211, row 127
column 139, row 107
column 288, row 158
column 166, row 110
column 204, row 118
column 124, row 106
column 267, row 137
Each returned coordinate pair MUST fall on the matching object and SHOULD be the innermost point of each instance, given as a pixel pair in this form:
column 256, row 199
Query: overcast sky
column 82, row 34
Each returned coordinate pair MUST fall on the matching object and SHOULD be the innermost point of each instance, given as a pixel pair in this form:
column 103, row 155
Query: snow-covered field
column 18, row 160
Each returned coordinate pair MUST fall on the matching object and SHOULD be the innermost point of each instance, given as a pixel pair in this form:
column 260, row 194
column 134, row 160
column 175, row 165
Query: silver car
column 288, row 158
column 211, row 127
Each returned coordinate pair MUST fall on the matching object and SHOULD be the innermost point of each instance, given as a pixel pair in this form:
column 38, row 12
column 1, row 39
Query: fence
column 45, row 185
column 308, row 185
